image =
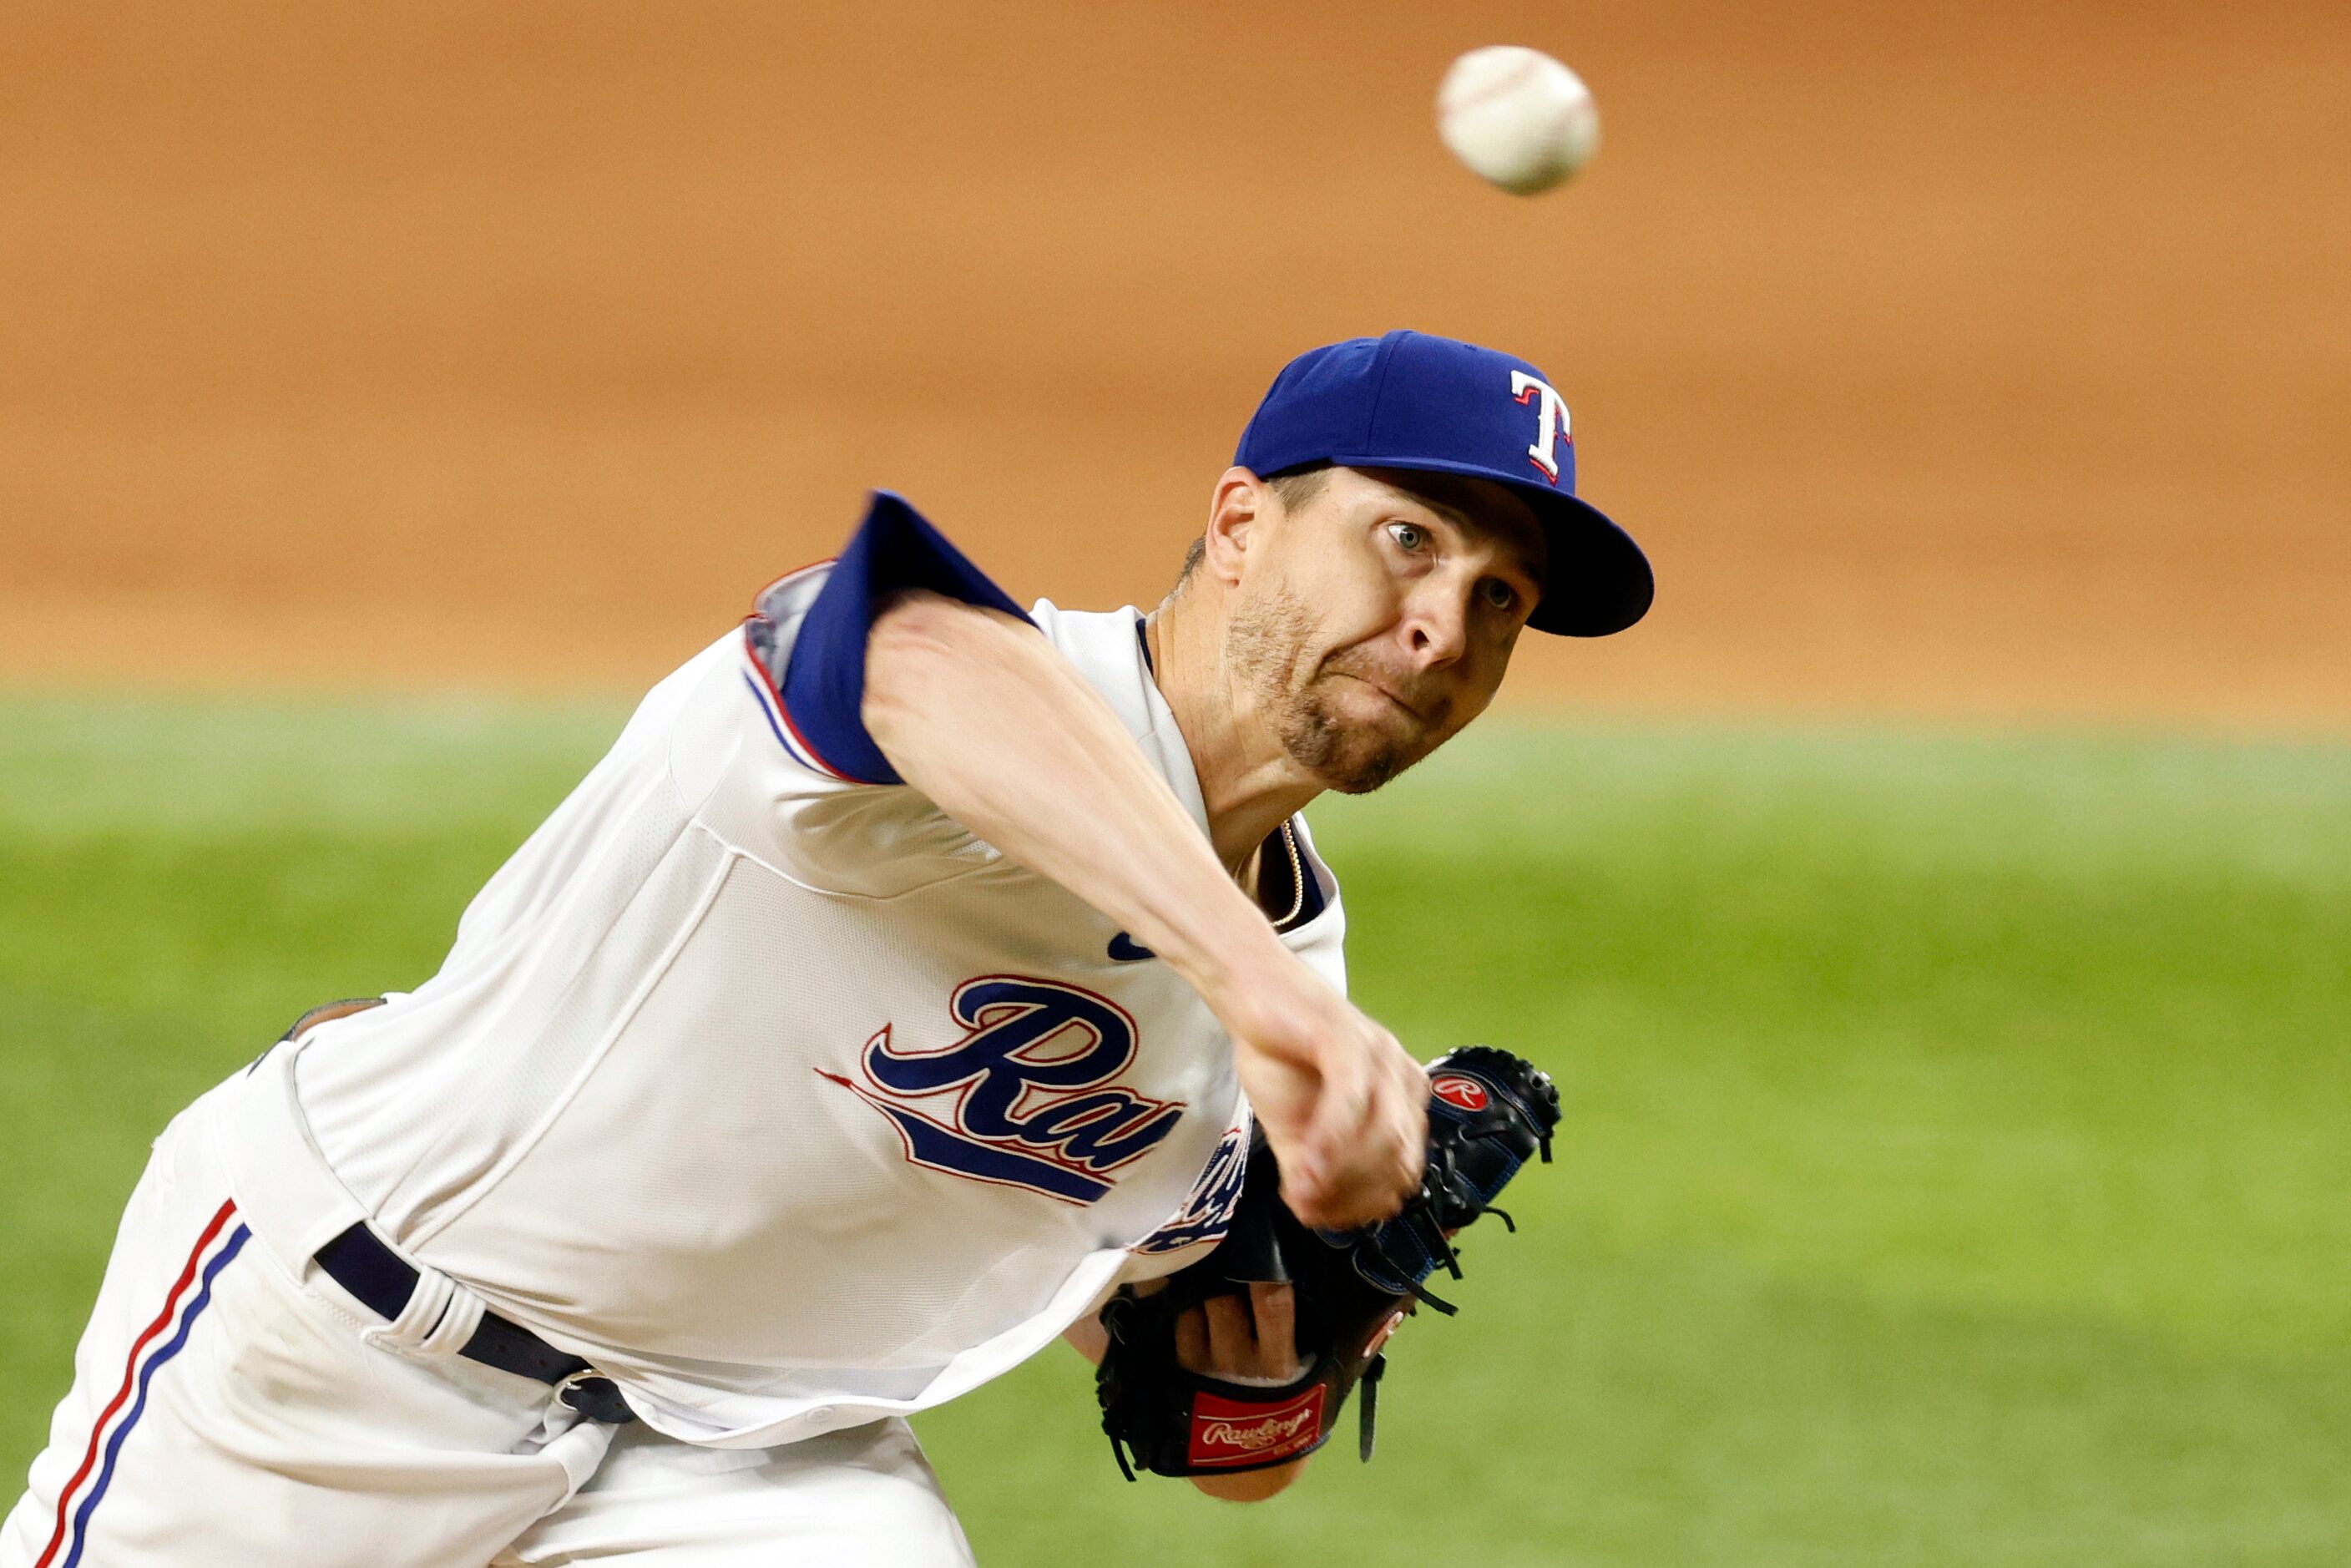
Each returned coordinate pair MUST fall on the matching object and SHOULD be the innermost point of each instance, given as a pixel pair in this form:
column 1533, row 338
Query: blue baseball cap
column 1412, row 401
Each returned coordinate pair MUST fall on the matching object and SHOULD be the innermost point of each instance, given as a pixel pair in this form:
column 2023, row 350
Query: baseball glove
column 1488, row 1111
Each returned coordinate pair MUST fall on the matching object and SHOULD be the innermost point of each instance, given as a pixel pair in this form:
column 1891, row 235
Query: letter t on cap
column 1551, row 426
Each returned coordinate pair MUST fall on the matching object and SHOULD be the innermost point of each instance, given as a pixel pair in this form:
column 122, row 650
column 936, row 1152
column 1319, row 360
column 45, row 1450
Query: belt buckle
column 594, row 1396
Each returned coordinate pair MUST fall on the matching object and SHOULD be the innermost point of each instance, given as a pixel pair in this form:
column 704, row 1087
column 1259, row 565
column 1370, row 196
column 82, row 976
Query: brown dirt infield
column 1975, row 360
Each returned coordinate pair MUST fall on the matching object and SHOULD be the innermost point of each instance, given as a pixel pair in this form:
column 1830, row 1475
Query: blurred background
column 1950, row 358
column 1938, row 913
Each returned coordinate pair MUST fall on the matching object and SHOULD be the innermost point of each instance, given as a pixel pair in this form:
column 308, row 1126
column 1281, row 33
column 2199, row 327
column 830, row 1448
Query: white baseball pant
column 229, row 1410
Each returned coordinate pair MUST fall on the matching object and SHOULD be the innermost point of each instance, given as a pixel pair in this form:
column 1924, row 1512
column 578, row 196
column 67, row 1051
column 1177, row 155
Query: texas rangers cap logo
column 1552, row 429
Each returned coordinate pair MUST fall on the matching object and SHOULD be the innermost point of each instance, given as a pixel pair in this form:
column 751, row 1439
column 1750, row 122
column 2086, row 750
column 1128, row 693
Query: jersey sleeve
column 806, row 788
column 813, row 653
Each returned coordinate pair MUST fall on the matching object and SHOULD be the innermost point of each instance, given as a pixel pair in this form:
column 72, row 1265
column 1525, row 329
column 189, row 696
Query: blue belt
column 381, row 1279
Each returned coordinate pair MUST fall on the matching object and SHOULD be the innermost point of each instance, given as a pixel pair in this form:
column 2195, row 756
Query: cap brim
column 1599, row 582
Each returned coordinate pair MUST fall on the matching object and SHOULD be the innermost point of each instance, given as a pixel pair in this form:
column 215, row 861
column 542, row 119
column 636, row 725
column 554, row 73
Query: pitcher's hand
column 1345, row 1107
column 1244, row 1339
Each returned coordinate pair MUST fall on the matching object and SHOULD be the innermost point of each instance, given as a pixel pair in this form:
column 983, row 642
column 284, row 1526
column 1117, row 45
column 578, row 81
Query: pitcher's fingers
column 1192, row 1341
column 1276, row 1307
column 1415, row 1142
column 1363, row 1187
column 1387, row 1153
column 1309, row 1199
column 1232, row 1337
column 1411, row 1110
column 1342, row 1094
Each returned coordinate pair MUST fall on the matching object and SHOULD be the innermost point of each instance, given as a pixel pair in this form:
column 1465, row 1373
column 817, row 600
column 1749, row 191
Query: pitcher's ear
column 1239, row 505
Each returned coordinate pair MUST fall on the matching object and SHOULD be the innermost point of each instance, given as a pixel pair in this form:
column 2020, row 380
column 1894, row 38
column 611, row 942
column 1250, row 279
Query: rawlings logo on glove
column 1226, row 1433
column 1489, row 1112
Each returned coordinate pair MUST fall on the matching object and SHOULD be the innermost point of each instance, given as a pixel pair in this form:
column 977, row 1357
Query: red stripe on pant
column 129, row 1378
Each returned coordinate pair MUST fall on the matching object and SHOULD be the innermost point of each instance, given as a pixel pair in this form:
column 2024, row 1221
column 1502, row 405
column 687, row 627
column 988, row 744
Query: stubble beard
column 1267, row 647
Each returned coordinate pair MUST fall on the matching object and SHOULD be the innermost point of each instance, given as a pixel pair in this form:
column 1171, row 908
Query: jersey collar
column 1106, row 649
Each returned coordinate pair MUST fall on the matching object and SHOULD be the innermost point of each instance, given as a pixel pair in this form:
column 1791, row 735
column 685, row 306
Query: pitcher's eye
column 1408, row 536
column 1498, row 594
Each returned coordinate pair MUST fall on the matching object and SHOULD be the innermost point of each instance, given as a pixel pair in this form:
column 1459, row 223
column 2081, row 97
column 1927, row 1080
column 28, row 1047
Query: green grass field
column 1957, row 1169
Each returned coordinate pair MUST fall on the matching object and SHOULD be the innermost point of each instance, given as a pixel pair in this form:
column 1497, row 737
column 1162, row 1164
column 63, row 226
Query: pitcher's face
column 1376, row 618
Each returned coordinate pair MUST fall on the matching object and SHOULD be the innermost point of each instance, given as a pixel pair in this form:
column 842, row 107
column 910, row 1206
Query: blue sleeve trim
column 823, row 692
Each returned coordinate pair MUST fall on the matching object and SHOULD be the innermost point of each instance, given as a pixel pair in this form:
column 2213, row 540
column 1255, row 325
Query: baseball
column 1517, row 117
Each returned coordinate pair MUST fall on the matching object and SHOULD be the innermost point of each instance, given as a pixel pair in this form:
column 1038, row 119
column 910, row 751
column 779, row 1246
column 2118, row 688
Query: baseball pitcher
column 919, row 978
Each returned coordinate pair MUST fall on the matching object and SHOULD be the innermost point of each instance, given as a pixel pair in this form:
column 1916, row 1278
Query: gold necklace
column 1297, row 878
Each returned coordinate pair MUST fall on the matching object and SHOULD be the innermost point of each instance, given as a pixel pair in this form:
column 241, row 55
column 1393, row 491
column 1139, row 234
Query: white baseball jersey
column 765, row 1086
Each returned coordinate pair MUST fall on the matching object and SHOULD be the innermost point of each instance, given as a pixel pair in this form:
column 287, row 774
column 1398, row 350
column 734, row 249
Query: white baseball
column 1517, row 117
